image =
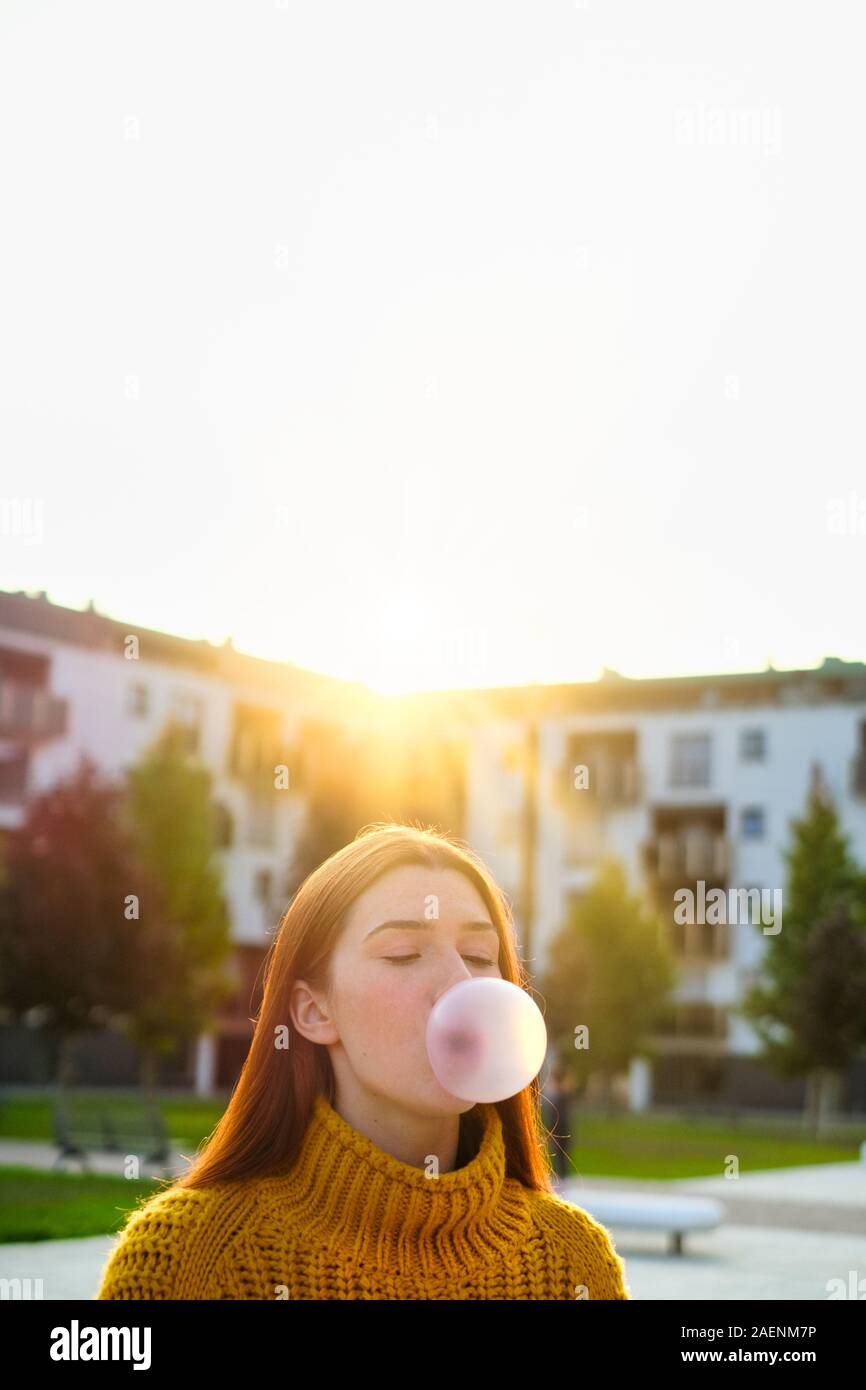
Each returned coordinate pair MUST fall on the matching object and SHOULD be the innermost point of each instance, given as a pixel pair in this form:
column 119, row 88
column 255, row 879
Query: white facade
column 755, row 797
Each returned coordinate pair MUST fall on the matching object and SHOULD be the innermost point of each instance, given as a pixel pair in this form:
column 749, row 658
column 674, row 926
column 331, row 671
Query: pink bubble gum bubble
column 486, row 1040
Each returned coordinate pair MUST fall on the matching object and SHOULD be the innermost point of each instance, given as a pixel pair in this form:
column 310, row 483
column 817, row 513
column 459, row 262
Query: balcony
column 613, row 776
column 256, row 746
column 29, row 712
column 699, row 943
column 618, row 784
column 683, row 856
column 692, row 1021
column 686, row 849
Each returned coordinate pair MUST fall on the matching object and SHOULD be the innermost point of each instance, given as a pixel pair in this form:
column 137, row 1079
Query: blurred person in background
column 559, row 1101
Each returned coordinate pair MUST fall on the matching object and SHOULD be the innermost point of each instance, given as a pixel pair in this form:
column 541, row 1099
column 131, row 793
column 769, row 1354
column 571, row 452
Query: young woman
column 341, row 1168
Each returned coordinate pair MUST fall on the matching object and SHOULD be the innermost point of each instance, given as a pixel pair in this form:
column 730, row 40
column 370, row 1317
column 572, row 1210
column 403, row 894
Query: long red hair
column 263, row 1126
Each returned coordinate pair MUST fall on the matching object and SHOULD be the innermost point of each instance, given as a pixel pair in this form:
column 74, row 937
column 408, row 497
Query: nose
column 456, row 971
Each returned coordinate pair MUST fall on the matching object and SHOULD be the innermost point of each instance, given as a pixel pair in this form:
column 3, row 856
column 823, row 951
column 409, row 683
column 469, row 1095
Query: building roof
column 834, row 680
column 37, row 615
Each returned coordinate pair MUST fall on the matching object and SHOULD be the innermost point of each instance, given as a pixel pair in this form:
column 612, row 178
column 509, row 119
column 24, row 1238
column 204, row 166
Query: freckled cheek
column 384, row 1008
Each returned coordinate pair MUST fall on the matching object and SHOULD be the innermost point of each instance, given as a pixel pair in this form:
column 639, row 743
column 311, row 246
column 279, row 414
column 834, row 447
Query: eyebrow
column 428, row 926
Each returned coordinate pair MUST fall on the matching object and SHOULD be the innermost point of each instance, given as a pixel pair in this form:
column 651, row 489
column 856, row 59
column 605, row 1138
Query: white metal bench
column 648, row 1212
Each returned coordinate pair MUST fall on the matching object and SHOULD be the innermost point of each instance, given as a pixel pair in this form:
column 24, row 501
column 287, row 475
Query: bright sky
column 439, row 344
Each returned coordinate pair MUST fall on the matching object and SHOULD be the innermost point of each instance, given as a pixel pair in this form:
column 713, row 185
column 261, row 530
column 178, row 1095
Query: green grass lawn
column 42, row 1205
column 668, row 1147
column 39, row 1205
column 29, row 1117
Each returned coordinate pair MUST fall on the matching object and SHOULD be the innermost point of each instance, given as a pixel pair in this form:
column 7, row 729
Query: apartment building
column 686, row 781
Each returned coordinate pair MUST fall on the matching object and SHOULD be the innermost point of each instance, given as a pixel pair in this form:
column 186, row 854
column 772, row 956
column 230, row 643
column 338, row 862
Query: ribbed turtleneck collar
column 351, row 1194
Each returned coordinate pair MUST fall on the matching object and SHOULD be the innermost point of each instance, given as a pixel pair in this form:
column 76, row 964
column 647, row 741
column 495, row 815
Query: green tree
column 185, row 933
column 805, row 1008
column 610, row 968
column 68, row 955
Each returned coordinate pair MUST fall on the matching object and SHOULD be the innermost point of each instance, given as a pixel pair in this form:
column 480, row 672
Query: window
column 256, row 744
column 753, row 745
column 690, row 760
column 752, row 823
column 137, row 702
column 693, row 1019
column 186, row 711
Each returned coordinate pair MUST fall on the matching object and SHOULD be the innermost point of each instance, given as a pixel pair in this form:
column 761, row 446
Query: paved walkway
column 821, row 1197
column 813, row 1232
column 737, row 1262
column 40, row 1154
column 830, row 1184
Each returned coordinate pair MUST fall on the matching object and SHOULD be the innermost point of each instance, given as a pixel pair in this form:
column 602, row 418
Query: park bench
column 674, row 1213
column 121, row 1127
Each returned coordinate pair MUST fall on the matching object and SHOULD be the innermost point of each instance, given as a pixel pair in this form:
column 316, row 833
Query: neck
column 412, row 1140
column 374, row 1208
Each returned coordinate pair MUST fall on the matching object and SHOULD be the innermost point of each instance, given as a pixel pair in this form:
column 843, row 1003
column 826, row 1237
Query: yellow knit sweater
column 348, row 1221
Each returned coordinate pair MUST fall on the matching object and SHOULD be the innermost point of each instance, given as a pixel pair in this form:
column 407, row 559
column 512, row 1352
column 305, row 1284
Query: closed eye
column 401, row 960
